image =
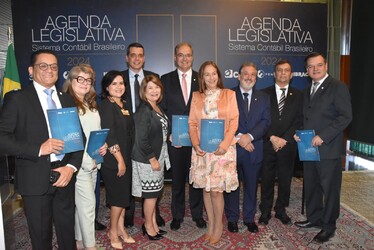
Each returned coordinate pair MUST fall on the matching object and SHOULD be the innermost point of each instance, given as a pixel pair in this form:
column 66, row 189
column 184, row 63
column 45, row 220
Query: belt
column 55, row 164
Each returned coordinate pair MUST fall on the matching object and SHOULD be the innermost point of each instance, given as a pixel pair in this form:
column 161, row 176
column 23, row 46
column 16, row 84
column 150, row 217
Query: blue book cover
column 306, row 151
column 95, row 142
column 211, row 134
column 65, row 125
column 179, row 131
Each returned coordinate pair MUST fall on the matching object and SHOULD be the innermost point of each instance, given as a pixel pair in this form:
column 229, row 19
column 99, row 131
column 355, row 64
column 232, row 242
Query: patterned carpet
column 353, row 231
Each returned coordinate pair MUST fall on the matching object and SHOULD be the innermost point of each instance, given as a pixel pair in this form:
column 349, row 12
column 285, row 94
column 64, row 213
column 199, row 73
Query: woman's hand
column 199, row 151
column 155, row 165
column 121, row 169
column 103, row 149
column 220, row 151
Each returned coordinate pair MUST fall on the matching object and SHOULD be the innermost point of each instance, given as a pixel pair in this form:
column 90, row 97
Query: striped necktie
column 282, row 100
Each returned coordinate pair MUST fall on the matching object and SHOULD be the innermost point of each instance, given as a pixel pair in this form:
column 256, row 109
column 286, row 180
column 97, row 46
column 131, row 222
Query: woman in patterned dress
column 214, row 172
column 150, row 155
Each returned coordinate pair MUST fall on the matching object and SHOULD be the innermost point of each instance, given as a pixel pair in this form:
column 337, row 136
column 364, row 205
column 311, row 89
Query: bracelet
column 114, row 149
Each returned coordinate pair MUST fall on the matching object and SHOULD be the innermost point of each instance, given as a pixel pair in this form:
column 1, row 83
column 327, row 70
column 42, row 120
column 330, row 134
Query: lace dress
column 214, row 172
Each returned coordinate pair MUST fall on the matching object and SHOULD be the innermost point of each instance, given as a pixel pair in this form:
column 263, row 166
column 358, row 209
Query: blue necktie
column 246, row 101
column 52, row 105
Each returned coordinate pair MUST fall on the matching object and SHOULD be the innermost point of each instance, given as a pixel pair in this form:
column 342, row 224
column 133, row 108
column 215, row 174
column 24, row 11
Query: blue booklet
column 306, row 151
column 65, row 125
column 179, row 131
column 95, row 142
column 211, row 134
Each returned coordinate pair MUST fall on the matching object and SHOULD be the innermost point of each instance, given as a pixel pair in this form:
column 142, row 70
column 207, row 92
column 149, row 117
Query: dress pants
column 85, row 202
column 180, row 159
column 248, row 174
column 276, row 164
column 322, row 180
column 56, row 206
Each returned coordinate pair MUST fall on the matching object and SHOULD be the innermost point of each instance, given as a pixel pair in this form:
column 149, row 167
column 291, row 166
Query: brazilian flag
column 11, row 76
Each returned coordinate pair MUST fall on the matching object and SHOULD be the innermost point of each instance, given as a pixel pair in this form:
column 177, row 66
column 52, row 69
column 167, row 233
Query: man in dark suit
column 254, row 121
column 178, row 87
column 279, row 146
column 327, row 110
column 133, row 77
column 25, row 133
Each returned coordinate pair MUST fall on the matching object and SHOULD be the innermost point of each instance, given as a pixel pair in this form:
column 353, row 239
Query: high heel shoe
column 213, row 241
column 155, row 237
column 207, row 237
column 161, row 232
column 129, row 239
column 115, row 243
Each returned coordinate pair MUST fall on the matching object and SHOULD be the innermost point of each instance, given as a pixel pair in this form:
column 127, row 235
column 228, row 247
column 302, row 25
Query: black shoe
column 232, row 226
column 200, row 222
column 306, row 224
column 323, row 236
column 160, row 221
column 161, row 232
column 283, row 217
column 264, row 219
column 99, row 226
column 150, row 237
column 252, row 227
column 176, row 224
column 129, row 221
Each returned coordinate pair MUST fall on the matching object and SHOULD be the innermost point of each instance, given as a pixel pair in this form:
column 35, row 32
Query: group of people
column 259, row 141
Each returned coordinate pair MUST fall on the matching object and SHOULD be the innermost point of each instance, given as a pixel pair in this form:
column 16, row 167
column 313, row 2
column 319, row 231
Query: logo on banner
column 230, row 73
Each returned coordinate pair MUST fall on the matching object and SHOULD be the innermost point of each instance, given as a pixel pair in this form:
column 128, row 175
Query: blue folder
column 211, row 134
column 306, row 151
column 65, row 125
column 95, row 142
column 179, row 131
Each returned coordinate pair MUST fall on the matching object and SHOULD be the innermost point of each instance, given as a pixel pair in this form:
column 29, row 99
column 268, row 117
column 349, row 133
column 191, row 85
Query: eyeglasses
column 82, row 80
column 44, row 66
column 180, row 55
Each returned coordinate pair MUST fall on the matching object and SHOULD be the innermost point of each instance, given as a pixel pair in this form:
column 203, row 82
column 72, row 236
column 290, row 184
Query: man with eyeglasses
column 25, row 133
column 327, row 110
column 178, row 87
column 133, row 77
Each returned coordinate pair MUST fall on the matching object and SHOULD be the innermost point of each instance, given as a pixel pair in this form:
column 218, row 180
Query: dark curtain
column 362, row 72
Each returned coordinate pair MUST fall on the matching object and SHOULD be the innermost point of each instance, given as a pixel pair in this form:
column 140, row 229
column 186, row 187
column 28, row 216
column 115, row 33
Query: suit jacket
column 23, row 129
column 126, row 77
column 328, row 113
column 173, row 101
column 284, row 125
column 227, row 110
column 256, row 122
column 148, row 134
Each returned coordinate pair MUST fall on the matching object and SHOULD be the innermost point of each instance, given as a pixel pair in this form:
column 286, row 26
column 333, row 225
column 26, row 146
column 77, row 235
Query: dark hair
column 202, row 86
column 133, row 45
column 35, row 54
column 247, row 64
column 108, row 78
column 144, row 84
column 283, row 61
column 314, row 54
column 182, row 44
column 89, row 98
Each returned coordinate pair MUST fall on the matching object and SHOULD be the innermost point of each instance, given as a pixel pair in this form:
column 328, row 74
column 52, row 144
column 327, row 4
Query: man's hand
column 249, row 147
column 66, row 173
column 51, row 146
column 244, row 140
column 277, row 142
column 317, row 141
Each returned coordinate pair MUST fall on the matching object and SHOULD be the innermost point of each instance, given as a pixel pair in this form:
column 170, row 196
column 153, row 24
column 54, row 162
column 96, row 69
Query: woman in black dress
column 116, row 169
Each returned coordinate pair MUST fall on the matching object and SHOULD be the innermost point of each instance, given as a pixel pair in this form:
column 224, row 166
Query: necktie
column 184, row 88
column 52, row 105
column 246, row 101
column 314, row 89
column 282, row 100
column 136, row 89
